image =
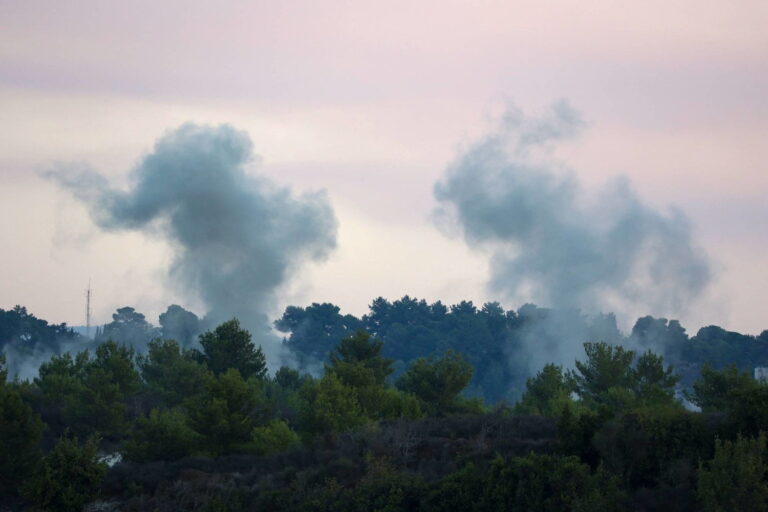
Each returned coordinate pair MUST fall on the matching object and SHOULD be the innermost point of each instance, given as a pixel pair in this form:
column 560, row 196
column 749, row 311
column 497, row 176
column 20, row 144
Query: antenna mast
column 88, row 310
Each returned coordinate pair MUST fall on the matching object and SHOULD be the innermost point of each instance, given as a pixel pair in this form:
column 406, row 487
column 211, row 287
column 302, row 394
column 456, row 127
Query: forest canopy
column 414, row 406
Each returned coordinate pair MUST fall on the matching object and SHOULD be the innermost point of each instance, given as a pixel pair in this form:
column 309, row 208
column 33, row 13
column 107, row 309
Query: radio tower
column 88, row 310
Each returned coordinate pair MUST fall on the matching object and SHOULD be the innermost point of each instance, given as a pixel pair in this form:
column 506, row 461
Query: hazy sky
column 371, row 101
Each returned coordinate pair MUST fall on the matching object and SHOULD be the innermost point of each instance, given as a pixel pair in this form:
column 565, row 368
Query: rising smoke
column 559, row 245
column 549, row 241
column 236, row 236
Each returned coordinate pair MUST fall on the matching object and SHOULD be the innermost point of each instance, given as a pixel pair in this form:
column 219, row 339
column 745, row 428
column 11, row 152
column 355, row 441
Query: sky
column 371, row 102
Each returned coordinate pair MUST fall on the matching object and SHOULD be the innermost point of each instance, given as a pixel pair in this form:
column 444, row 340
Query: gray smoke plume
column 236, row 236
column 555, row 243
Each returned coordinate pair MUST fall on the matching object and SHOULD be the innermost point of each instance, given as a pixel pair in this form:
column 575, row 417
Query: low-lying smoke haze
column 236, row 237
column 553, row 242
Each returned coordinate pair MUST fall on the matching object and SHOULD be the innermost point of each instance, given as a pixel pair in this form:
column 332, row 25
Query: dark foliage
column 128, row 327
column 70, row 476
column 500, row 343
column 211, row 430
column 230, row 346
column 25, row 330
column 20, row 433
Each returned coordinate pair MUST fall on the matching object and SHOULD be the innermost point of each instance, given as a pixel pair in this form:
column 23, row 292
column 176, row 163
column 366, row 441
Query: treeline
column 209, row 428
column 28, row 341
column 18, row 327
column 505, row 347
column 501, row 344
column 172, row 403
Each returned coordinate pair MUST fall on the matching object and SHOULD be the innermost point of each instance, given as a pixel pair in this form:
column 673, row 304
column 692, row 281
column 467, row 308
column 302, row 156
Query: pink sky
column 371, row 101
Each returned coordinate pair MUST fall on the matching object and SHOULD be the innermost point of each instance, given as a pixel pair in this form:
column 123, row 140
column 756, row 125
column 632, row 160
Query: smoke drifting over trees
column 554, row 243
column 213, row 429
column 236, row 236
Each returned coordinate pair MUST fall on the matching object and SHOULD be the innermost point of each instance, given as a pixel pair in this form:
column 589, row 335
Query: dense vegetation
column 501, row 344
column 151, row 423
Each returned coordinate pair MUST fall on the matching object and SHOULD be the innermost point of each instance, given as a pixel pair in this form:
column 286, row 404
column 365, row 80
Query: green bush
column 20, row 432
column 162, row 435
column 275, row 437
column 71, row 476
column 735, row 479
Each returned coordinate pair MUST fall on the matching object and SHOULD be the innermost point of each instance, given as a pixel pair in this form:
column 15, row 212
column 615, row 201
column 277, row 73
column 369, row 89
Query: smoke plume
column 557, row 244
column 236, row 236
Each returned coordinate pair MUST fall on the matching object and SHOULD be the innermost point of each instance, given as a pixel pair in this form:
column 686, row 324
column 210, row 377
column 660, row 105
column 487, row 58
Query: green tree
column 315, row 330
column 748, row 408
column 162, row 435
column 357, row 361
column 110, row 379
column 128, row 327
column 439, row 382
column 547, row 393
column 26, row 333
column 642, row 445
column 288, row 378
column 61, row 382
column 653, row 382
column 230, row 346
column 20, row 432
column 713, row 391
column 179, row 324
column 274, row 437
column 735, row 479
column 576, row 428
column 283, row 395
column 607, row 366
column 331, row 407
column 170, row 372
column 115, row 363
column 358, row 364
column 90, row 394
column 225, row 413
column 71, row 476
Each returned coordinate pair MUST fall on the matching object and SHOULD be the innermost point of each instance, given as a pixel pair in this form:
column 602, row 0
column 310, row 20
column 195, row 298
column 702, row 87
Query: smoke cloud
column 552, row 241
column 236, row 236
